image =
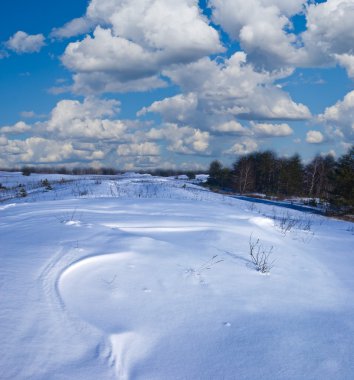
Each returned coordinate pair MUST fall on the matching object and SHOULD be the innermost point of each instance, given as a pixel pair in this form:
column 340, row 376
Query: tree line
column 28, row 170
column 323, row 178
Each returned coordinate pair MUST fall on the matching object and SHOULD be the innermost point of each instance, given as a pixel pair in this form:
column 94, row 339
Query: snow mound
column 158, row 283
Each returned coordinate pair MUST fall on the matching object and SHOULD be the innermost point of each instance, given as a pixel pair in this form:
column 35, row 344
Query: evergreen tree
column 291, row 176
column 343, row 182
column 218, row 175
column 26, row 171
column 266, row 172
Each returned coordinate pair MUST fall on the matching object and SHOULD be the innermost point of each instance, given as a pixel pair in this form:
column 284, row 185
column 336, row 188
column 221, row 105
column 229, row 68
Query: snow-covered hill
column 140, row 277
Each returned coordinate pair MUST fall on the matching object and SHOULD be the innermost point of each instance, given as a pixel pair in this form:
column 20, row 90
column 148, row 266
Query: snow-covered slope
column 137, row 277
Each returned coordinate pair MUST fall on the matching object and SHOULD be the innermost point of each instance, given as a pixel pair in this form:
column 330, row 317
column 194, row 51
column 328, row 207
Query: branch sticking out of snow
column 260, row 256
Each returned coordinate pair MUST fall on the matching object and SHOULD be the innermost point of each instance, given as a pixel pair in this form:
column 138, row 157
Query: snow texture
column 141, row 277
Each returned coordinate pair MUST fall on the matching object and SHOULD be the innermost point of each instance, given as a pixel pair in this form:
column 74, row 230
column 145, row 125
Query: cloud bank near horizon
column 226, row 63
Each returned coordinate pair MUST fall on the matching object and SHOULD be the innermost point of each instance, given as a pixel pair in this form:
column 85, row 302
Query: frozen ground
column 136, row 277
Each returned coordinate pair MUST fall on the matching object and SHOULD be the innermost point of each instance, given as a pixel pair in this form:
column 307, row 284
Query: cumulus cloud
column 231, row 127
column 263, row 29
column 17, row 128
column 38, row 150
column 314, row 137
column 177, row 30
column 179, row 108
column 89, row 131
column 233, row 87
column 271, row 130
column 243, row 147
column 265, row 32
column 347, row 61
column 90, row 119
column 339, row 118
column 22, row 42
column 140, row 45
column 329, row 30
column 90, row 108
column 182, row 140
column 160, row 33
column 142, row 149
column 137, row 40
column 105, row 52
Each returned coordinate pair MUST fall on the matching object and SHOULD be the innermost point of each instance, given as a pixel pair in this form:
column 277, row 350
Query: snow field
column 161, row 286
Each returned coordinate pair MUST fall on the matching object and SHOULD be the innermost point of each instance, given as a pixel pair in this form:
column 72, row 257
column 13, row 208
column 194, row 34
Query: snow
column 141, row 277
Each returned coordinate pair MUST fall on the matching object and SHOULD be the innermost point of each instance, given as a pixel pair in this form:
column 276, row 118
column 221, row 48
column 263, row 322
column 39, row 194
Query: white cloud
column 89, row 131
column 90, row 108
column 347, row 61
column 90, row 119
column 22, row 42
column 73, row 28
column 265, row 32
column 19, row 127
column 262, row 27
column 37, row 150
column 289, row 7
column 271, row 130
column 244, row 147
column 142, row 149
column 234, row 88
column 136, row 41
column 178, row 108
column 230, row 127
column 183, row 140
column 314, row 137
column 339, row 118
column 176, row 30
column 3, row 140
column 330, row 35
column 329, row 153
column 105, row 52
column 100, row 82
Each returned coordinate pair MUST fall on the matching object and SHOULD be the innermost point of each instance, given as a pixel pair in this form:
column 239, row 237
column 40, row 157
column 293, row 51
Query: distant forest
column 27, row 170
column 324, row 179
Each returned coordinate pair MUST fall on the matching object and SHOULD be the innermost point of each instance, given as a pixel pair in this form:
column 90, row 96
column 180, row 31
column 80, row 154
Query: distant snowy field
column 140, row 277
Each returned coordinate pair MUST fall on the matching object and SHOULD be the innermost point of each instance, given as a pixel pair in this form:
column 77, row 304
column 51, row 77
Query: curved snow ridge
column 163, row 309
column 166, row 227
column 113, row 292
column 262, row 222
column 7, row 206
column 103, row 289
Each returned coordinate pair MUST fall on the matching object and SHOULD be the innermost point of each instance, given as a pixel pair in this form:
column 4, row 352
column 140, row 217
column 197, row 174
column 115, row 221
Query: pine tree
column 343, row 182
column 218, row 175
column 291, row 176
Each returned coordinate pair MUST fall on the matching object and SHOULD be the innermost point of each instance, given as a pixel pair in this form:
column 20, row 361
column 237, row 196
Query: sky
column 142, row 84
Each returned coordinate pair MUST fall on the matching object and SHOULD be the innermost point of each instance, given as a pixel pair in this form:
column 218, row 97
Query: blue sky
column 158, row 83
